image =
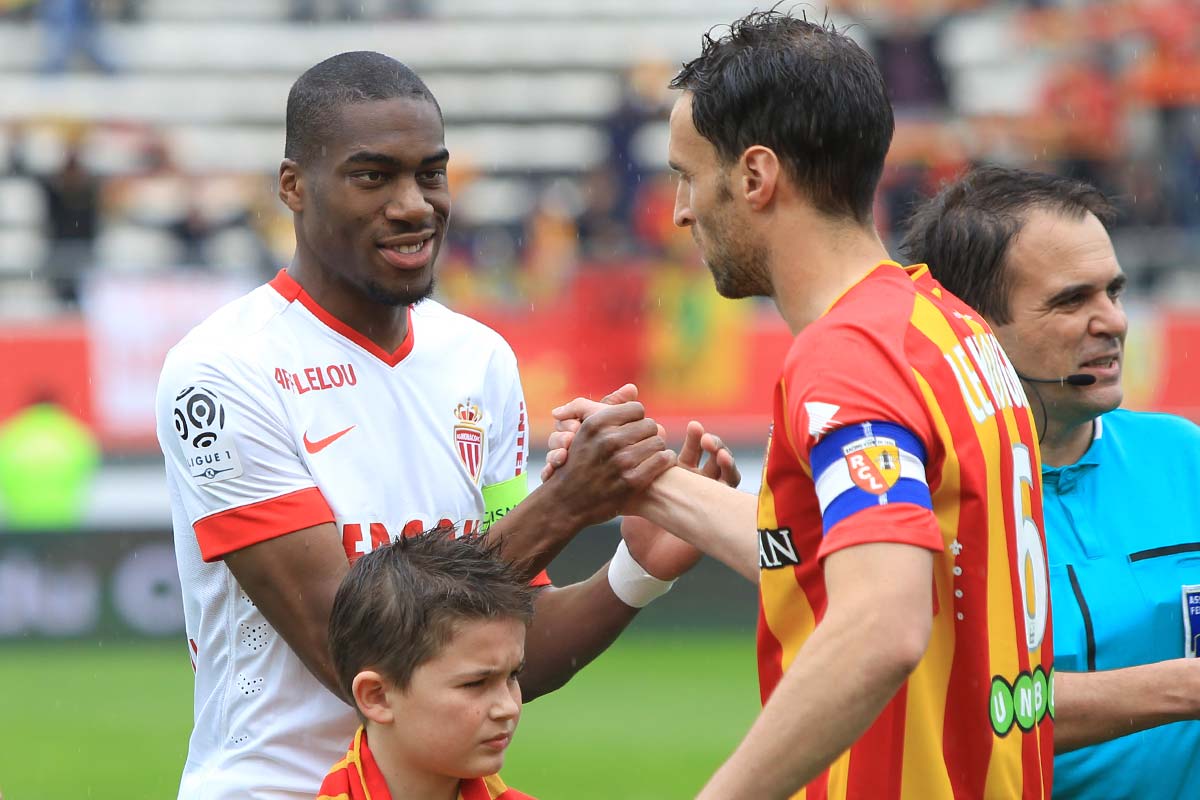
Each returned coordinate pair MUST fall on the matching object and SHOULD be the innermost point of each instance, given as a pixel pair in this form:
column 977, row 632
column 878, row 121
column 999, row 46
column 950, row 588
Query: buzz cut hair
column 402, row 603
column 317, row 96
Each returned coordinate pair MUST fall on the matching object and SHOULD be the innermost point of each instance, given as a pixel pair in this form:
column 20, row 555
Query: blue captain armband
column 868, row 464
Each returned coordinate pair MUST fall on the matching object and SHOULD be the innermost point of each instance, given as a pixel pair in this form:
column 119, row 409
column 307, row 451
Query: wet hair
column 805, row 90
column 965, row 231
column 400, row 604
column 317, row 96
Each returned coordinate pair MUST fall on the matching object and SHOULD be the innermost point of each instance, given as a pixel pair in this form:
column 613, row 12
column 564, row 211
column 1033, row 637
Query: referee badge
column 468, row 438
column 1191, row 620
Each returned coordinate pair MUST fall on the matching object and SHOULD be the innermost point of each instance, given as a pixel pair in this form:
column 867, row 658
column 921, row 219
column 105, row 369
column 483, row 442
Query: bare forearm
column 292, row 580
column 571, row 626
column 1093, row 707
column 536, row 530
column 716, row 519
column 832, row 693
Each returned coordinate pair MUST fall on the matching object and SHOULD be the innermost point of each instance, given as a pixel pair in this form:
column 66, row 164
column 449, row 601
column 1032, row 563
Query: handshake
column 607, row 458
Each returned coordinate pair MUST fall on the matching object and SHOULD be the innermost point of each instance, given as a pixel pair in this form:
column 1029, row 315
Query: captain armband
column 501, row 498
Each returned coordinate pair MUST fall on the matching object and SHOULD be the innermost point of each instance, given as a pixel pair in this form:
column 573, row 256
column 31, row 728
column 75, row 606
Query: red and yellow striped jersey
column 898, row 418
column 357, row 777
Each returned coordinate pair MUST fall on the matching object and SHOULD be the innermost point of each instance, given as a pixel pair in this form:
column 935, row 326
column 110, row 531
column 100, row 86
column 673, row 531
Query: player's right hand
column 616, row 452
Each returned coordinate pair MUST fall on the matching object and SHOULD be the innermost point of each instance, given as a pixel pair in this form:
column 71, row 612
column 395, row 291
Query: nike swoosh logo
column 321, row 444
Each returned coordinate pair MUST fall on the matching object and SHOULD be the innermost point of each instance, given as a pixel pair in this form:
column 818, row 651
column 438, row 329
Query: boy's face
column 458, row 714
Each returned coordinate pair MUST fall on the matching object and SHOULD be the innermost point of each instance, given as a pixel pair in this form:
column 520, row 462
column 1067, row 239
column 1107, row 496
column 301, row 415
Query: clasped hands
column 613, row 426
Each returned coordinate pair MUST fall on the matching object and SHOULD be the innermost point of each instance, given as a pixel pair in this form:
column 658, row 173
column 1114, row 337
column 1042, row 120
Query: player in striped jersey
column 904, row 647
column 428, row 637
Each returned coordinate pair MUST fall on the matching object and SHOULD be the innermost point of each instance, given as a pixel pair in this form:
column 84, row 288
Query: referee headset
column 1074, row 379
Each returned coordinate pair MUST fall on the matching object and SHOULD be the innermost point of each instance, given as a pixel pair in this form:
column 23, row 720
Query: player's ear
column 370, row 691
column 759, row 168
column 291, row 185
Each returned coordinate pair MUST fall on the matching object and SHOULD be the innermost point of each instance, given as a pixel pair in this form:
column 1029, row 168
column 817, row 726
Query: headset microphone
column 1076, row 379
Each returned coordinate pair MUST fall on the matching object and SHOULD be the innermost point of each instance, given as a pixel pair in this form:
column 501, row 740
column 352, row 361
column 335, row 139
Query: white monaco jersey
column 274, row 417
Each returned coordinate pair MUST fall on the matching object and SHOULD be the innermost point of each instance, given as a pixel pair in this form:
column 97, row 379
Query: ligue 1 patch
column 468, row 438
column 1191, row 620
column 208, row 449
column 874, row 463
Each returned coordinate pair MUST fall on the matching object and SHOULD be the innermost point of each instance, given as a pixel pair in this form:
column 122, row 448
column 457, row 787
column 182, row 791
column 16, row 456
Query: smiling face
column 705, row 203
column 457, row 715
column 373, row 205
column 1066, row 310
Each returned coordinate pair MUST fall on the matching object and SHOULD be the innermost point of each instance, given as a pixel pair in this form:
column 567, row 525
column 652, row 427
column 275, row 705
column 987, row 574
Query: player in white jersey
column 335, row 407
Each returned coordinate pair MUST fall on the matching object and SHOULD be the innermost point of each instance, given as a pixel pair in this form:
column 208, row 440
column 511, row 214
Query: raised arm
column 576, row 623
column 717, row 519
column 616, row 453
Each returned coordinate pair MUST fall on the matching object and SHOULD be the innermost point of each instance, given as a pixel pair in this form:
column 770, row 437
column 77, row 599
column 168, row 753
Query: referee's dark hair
column 355, row 77
column 398, row 605
column 803, row 89
column 964, row 233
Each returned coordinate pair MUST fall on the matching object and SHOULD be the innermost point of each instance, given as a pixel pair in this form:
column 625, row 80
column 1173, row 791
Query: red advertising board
column 692, row 354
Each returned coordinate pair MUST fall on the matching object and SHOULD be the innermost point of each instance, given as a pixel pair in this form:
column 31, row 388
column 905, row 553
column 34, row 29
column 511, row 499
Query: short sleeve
column 231, row 456
column 508, row 429
column 856, row 419
column 504, row 475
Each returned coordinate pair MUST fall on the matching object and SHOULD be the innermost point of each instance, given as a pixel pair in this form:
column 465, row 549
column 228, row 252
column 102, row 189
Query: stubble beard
column 739, row 268
column 410, row 295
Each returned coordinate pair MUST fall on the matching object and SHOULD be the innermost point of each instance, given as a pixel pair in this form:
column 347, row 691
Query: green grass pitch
column 652, row 718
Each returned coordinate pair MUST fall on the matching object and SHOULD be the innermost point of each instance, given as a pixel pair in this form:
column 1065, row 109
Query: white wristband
column 632, row 585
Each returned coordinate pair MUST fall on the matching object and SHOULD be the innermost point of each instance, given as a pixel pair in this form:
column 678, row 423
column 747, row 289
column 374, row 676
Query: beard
column 411, row 294
column 739, row 267
column 738, row 263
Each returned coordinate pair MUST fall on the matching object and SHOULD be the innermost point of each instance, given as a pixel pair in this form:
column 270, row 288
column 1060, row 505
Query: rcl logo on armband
column 358, row 539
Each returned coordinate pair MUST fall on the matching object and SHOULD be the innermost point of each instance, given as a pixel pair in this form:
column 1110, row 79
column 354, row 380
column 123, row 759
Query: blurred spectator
column 907, row 56
column 1081, row 112
column 47, row 460
column 73, row 205
column 16, row 8
column 644, row 98
column 72, row 26
column 1168, row 80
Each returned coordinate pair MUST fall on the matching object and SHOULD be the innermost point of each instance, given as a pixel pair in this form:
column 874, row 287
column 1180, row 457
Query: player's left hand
column 569, row 416
column 719, row 463
column 662, row 554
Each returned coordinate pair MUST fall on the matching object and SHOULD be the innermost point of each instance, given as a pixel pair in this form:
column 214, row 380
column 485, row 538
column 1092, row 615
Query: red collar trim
column 290, row 290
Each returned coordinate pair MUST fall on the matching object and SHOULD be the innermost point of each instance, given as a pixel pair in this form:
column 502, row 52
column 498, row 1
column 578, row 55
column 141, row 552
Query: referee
column 1031, row 252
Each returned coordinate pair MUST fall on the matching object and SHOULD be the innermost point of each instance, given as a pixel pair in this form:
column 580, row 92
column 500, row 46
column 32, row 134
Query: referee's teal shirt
column 1122, row 539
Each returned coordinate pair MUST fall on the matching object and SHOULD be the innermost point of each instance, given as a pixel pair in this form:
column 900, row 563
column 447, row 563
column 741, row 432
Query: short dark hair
column 355, row 77
column 804, row 89
column 964, row 233
column 399, row 604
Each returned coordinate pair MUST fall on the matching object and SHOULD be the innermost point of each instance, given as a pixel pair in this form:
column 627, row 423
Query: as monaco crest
column 468, row 438
column 874, row 463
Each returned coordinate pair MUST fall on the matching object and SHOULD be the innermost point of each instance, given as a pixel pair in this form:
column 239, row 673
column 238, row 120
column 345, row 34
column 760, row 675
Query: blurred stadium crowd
column 140, row 142
column 144, row 135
